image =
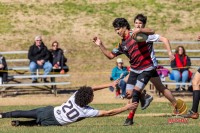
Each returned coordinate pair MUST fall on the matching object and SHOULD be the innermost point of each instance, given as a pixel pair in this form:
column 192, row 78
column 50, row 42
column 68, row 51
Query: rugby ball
column 141, row 37
column 181, row 107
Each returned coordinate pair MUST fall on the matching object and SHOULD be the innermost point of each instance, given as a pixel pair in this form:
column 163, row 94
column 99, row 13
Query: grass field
column 74, row 23
column 144, row 122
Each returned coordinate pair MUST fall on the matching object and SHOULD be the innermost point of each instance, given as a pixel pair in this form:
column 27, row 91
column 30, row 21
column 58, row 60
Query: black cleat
column 128, row 122
column 183, row 88
column 45, row 80
column 15, row 123
column 145, row 100
column 35, row 81
column 177, row 89
column 191, row 114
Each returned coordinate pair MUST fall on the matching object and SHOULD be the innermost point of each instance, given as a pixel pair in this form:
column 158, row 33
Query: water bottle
column 0, row 80
column 162, row 78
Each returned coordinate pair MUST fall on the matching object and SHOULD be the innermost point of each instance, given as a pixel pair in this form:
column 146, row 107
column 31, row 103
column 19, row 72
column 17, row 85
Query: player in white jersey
column 75, row 109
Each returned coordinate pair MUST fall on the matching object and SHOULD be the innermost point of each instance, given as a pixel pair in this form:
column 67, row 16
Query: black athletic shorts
column 45, row 116
column 198, row 70
column 140, row 80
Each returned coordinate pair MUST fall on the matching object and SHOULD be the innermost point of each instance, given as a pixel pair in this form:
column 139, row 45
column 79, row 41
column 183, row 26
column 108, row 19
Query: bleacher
column 163, row 60
column 20, row 76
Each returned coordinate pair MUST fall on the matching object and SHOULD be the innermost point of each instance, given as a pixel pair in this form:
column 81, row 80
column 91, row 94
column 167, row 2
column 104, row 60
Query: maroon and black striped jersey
column 137, row 52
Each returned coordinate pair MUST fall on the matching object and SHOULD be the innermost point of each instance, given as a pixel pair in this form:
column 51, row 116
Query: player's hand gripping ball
column 140, row 37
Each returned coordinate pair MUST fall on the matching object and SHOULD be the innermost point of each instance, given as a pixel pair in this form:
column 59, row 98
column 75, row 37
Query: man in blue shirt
column 119, row 72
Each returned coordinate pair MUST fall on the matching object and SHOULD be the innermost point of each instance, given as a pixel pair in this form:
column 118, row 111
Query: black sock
column 196, row 98
column 6, row 115
column 28, row 123
column 136, row 96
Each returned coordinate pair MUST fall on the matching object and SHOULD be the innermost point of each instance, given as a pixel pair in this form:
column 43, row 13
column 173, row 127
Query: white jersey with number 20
column 70, row 112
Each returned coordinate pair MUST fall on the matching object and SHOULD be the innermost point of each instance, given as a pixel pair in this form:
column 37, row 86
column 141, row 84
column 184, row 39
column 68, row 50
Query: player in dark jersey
column 139, row 23
column 142, row 68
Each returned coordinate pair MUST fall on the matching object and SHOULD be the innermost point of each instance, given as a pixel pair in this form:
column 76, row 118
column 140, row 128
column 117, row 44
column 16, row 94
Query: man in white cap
column 38, row 55
column 119, row 72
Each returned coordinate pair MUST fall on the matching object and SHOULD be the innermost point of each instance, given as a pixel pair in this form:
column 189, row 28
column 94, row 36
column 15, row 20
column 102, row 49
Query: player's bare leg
column 160, row 87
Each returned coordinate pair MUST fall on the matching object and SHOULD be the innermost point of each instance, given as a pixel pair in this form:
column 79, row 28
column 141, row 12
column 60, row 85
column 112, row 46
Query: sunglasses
column 38, row 40
column 55, row 45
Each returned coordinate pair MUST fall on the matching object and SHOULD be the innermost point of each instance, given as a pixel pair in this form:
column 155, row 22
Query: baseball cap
column 119, row 60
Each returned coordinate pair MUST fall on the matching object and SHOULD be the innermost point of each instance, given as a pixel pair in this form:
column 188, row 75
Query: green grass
column 157, row 11
column 111, row 124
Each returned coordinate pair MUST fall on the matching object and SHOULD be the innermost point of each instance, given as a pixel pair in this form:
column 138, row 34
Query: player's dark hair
column 120, row 23
column 141, row 17
column 84, row 96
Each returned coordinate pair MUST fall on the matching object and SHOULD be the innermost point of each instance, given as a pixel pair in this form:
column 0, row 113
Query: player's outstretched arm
column 129, row 106
column 168, row 47
column 103, row 86
column 105, row 51
column 147, row 31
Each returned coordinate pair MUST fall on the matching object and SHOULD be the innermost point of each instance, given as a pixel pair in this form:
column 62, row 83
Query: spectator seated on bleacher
column 39, row 55
column 119, row 72
column 58, row 59
column 3, row 69
column 180, row 68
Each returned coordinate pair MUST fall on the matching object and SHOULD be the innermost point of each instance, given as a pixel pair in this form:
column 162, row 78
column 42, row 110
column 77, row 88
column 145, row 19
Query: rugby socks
column 117, row 92
column 20, row 114
column 24, row 123
column 196, row 98
column 131, row 114
column 5, row 115
column 136, row 96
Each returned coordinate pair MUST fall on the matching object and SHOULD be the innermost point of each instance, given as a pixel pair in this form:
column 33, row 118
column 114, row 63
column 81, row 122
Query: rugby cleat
column 15, row 123
column 191, row 114
column 145, row 100
column 128, row 122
